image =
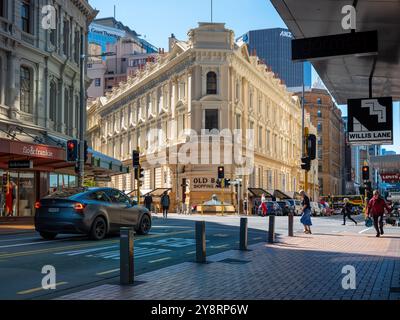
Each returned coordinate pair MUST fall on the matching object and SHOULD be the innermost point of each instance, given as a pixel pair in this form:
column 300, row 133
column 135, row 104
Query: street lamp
column 82, row 111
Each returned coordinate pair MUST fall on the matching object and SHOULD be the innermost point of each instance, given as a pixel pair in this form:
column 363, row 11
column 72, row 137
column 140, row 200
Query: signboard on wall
column 370, row 121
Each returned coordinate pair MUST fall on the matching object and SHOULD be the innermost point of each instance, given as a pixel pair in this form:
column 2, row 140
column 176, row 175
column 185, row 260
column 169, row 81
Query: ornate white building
column 205, row 83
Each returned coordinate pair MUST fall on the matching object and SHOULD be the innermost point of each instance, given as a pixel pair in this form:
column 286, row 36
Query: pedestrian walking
column 376, row 209
column 245, row 206
column 347, row 211
column 148, row 201
column 165, row 202
column 263, row 205
column 306, row 216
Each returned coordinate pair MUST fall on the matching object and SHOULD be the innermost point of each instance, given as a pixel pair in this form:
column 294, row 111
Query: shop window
column 26, row 84
column 211, row 83
column 211, row 119
column 97, row 82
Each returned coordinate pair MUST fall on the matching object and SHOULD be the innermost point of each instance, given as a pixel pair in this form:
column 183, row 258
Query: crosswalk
column 112, row 252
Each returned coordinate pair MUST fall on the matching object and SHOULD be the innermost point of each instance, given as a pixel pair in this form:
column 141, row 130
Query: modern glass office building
column 274, row 46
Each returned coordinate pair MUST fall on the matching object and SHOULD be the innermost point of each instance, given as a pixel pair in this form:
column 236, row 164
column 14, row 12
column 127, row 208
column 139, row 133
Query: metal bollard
column 200, row 241
column 271, row 230
column 290, row 224
column 243, row 234
column 126, row 256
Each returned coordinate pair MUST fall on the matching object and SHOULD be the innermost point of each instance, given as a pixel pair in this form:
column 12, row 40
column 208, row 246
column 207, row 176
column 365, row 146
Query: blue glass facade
column 274, row 46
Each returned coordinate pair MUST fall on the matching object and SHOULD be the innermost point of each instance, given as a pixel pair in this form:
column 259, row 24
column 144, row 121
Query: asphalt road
column 81, row 263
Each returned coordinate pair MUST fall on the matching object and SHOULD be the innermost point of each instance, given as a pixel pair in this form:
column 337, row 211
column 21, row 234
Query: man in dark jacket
column 165, row 202
column 148, row 201
column 376, row 209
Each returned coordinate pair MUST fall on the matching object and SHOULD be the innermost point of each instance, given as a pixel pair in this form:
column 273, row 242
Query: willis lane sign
column 370, row 121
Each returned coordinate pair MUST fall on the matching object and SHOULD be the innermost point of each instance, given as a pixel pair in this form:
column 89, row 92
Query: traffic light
column 139, row 173
column 312, row 146
column 306, row 163
column 136, row 158
column 221, row 172
column 72, row 150
column 365, row 173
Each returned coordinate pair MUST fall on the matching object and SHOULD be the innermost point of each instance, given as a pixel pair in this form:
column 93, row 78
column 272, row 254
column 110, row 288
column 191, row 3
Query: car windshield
column 66, row 193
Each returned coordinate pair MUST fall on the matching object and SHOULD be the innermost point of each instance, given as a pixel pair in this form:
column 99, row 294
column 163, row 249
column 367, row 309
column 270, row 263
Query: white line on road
column 160, row 260
column 107, row 272
column 365, row 230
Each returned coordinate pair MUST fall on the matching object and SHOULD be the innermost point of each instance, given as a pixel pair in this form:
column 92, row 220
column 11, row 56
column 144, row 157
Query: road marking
column 191, row 252
column 77, row 246
column 160, row 260
column 172, row 243
column 219, row 247
column 79, row 252
column 18, row 239
column 221, row 235
column 28, row 244
column 365, row 230
column 107, row 272
column 139, row 252
column 258, row 238
column 38, row 289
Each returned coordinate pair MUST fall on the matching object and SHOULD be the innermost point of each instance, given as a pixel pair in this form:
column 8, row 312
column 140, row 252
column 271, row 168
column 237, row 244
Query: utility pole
column 82, row 116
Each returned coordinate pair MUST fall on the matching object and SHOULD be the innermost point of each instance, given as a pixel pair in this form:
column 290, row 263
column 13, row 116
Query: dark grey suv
column 92, row 211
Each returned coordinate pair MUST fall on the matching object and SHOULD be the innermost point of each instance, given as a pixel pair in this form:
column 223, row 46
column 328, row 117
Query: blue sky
column 155, row 20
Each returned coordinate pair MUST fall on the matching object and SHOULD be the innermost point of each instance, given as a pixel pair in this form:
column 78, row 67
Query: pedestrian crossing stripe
column 172, row 243
column 139, row 252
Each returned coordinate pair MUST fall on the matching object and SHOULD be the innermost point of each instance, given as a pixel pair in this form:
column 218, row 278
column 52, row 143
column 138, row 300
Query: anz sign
column 286, row 34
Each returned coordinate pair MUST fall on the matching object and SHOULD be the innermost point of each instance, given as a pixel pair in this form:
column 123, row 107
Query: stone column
column 13, row 100
column 41, row 113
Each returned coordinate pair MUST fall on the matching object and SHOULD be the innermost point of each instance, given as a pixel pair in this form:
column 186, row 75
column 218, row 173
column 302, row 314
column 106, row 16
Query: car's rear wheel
column 48, row 235
column 145, row 225
column 99, row 229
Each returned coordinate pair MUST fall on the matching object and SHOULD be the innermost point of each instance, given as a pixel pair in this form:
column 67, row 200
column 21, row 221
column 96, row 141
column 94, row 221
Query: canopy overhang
column 347, row 77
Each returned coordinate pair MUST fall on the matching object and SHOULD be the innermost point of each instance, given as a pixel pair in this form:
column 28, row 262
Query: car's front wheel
column 48, row 235
column 99, row 229
column 145, row 225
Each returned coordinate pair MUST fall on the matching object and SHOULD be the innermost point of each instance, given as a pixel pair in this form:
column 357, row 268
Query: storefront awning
column 281, row 195
column 53, row 159
column 258, row 192
column 44, row 157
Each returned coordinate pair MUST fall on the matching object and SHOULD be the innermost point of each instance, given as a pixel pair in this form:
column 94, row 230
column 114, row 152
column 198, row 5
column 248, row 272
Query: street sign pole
column 82, row 118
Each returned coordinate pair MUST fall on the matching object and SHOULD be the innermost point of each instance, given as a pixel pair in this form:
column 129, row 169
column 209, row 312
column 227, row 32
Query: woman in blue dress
column 306, row 216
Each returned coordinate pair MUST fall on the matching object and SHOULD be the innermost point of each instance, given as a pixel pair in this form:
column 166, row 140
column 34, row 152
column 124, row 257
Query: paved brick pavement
column 303, row 267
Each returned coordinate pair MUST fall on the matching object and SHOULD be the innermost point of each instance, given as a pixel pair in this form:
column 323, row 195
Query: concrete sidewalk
column 303, row 267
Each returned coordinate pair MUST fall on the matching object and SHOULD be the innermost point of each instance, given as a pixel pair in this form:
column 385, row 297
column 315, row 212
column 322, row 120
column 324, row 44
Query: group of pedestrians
column 165, row 203
column 375, row 210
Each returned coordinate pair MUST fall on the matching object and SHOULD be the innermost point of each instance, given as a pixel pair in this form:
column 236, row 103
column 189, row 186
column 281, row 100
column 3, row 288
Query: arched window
column 26, row 89
column 211, row 83
column 53, row 101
